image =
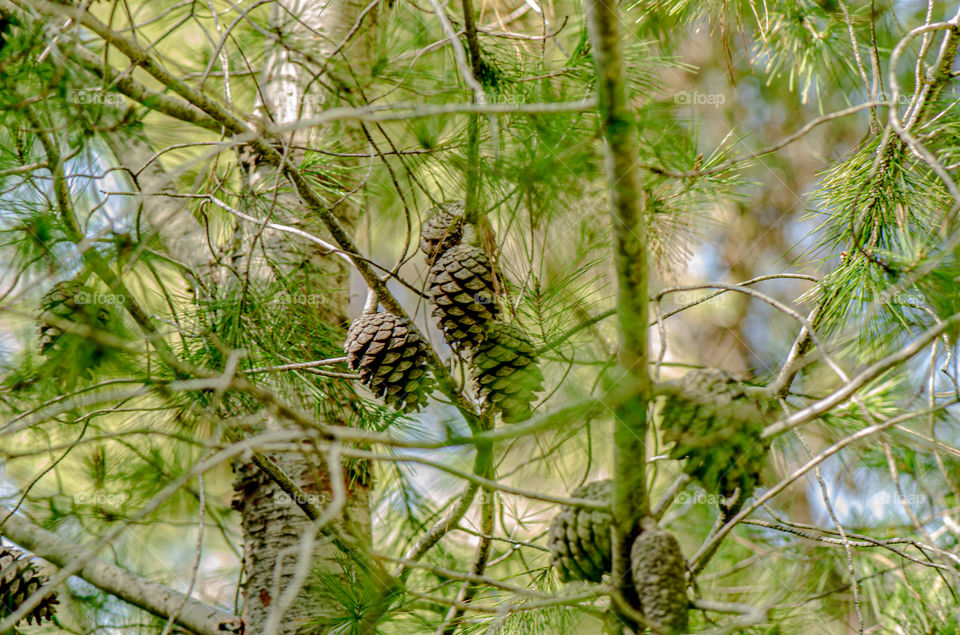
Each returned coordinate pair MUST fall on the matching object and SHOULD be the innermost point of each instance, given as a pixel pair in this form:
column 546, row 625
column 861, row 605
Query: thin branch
column 698, row 562
column 865, row 376
column 152, row 597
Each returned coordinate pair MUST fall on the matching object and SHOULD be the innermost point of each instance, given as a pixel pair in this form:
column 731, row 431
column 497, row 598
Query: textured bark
column 273, row 525
column 158, row 599
column 181, row 234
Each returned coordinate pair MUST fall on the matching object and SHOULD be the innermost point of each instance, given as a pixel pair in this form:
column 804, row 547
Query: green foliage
column 131, row 339
column 351, row 591
column 880, row 215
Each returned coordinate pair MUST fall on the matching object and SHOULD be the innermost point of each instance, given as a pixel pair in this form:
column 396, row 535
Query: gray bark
column 179, row 231
column 273, row 526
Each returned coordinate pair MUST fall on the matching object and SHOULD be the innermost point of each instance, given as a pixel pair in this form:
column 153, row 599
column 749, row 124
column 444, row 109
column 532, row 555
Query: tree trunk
column 273, row 525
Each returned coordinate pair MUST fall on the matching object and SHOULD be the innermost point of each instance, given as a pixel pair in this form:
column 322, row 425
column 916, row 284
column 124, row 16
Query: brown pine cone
column 442, row 229
column 460, row 285
column 391, row 359
column 19, row 579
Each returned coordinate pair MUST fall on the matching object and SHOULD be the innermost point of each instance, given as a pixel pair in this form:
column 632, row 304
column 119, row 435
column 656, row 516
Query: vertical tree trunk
column 273, row 525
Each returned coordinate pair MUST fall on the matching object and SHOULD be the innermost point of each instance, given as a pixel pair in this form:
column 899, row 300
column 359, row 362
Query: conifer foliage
column 660, row 334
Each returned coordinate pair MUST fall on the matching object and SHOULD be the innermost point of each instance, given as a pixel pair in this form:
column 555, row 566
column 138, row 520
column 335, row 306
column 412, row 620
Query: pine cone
column 716, row 428
column 658, row 576
column 19, row 579
column 580, row 538
column 506, row 372
column 442, row 230
column 391, row 358
column 460, row 285
column 69, row 300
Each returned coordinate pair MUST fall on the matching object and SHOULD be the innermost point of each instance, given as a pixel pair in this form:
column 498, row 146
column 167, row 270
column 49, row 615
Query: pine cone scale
column 579, row 538
column 458, row 279
column 19, row 579
column 390, row 358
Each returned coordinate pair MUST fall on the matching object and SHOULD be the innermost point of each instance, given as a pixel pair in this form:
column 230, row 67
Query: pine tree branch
column 486, row 483
column 450, row 520
column 862, row 378
column 152, row 597
column 749, row 615
column 85, row 556
column 480, row 558
column 929, row 93
column 190, row 113
column 701, row 558
column 473, row 44
column 402, row 111
column 481, row 467
column 264, row 146
column 854, row 540
column 940, row 73
column 919, row 111
column 470, row 576
column 779, row 145
column 91, row 257
column 136, row 91
column 630, row 499
column 471, row 202
column 468, row 68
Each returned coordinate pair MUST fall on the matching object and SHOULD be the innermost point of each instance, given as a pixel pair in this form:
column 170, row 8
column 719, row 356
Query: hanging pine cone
column 658, row 571
column 716, row 428
column 442, row 229
column 391, row 359
column 580, row 538
column 19, row 579
column 460, row 285
column 72, row 356
column 72, row 301
column 506, row 373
